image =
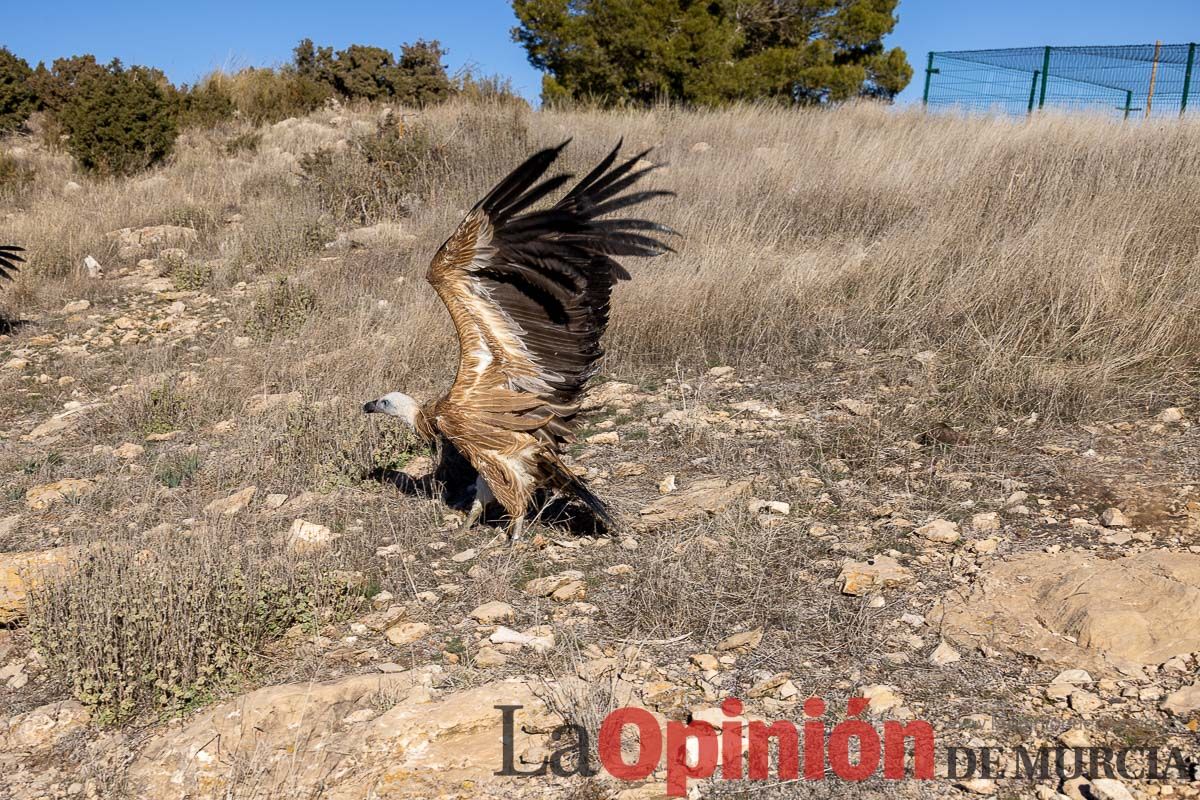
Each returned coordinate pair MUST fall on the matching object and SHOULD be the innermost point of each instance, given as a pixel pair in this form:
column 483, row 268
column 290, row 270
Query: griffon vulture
column 528, row 292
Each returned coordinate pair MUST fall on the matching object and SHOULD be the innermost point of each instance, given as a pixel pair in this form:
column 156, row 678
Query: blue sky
column 187, row 40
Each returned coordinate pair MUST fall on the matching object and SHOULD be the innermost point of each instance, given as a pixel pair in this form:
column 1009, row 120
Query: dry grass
column 1050, row 263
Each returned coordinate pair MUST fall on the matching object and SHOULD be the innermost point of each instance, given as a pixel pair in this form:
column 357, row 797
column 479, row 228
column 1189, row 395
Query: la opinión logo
column 741, row 747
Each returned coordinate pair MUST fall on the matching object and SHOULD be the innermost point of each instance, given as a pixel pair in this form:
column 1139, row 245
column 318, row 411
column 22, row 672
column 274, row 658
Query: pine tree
column 17, row 98
column 713, row 51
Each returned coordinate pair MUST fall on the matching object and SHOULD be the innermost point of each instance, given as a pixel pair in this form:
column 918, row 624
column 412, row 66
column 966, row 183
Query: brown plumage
column 528, row 293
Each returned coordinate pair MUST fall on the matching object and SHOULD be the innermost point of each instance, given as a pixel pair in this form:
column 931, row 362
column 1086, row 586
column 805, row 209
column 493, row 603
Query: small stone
column 487, row 657
column 129, row 451
column 704, row 147
column 981, row 786
column 747, row 640
column 880, row 697
column 985, row 523
column 1084, row 701
column 1075, row 737
column 706, row 662
column 274, row 501
column 939, row 530
column 538, row 639
column 309, row 537
column 1110, row 789
column 575, row 590
column 76, row 307
column 770, row 686
column 1183, row 701
column 1114, row 518
column 944, row 654
column 856, row 407
column 465, row 555
column 406, row 633
column 1074, row 677
column 1059, row 691
column 232, row 505
column 667, row 484
column 493, row 612
column 16, row 363
column 607, row 437
column 985, row 546
column 1171, row 416
column 550, row 584
column 881, row 572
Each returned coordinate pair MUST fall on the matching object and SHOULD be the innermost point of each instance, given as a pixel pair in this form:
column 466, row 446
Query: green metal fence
column 1130, row 80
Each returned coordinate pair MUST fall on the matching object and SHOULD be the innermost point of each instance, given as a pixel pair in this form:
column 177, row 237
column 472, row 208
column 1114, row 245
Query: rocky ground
column 218, row 579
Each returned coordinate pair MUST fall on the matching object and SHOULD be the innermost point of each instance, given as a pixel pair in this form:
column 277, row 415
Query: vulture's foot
column 472, row 516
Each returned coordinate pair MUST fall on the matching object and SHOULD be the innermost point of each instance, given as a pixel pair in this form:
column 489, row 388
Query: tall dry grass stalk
column 1051, row 262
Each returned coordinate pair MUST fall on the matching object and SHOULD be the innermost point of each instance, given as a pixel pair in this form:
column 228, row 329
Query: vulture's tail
column 562, row 479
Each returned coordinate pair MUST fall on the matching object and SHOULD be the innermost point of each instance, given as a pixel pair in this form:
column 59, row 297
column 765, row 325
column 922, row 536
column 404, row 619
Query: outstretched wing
column 529, row 292
column 9, row 261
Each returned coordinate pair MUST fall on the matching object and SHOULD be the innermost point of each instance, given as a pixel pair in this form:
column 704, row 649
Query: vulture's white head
column 396, row 404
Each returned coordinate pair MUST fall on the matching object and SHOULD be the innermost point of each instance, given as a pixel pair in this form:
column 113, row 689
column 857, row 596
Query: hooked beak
column 371, row 407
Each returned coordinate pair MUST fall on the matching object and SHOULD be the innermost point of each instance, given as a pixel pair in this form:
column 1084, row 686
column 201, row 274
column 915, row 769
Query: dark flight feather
column 9, row 261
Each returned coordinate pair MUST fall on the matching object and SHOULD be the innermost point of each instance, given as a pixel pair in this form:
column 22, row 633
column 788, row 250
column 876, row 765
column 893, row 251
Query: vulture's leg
column 483, row 496
column 515, row 528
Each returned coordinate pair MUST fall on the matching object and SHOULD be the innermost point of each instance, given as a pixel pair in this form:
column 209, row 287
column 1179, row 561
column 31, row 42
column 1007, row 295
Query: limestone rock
column 881, row 572
column 745, row 641
column 42, row 497
column 43, row 726
column 1081, row 611
column 493, row 612
column 309, row 537
column 129, row 451
column 1172, row 416
column 19, row 570
column 406, row 633
column 1110, row 789
column 943, row 655
column 537, row 639
column 985, row 523
column 702, row 498
column 232, row 505
column 1181, row 703
column 607, row 393
column 1114, row 518
column 422, row 746
column 564, row 587
column 880, row 697
column 939, row 530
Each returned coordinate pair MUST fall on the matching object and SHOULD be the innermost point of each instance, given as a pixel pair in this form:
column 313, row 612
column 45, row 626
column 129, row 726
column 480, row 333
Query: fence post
column 1187, row 77
column 1128, row 102
column 1032, row 91
column 929, row 70
column 1045, row 76
column 1153, row 75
